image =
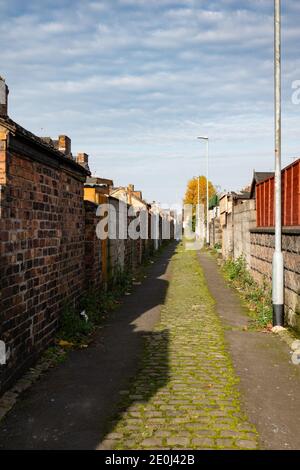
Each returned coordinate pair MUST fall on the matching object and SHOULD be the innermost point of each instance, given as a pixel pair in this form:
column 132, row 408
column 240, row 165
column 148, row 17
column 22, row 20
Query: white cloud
column 137, row 79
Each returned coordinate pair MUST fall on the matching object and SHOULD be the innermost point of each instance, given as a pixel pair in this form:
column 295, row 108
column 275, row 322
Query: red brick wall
column 41, row 256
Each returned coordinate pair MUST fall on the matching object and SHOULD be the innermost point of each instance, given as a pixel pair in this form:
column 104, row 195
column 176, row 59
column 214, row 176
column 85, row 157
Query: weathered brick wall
column 93, row 251
column 227, row 238
column 42, row 253
column 116, row 246
column 244, row 215
column 215, row 232
column 49, row 250
column 128, row 254
column 262, row 249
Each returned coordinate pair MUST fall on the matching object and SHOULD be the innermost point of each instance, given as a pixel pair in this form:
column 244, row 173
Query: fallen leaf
column 65, row 344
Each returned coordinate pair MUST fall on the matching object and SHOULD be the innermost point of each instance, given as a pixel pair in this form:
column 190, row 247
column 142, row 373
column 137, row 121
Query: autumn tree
column 191, row 195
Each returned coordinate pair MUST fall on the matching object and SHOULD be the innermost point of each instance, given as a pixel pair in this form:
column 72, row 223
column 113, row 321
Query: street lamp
column 198, row 209
column 278, row 267
column 207, row 193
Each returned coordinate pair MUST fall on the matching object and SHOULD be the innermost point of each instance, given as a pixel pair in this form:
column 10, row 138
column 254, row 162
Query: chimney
column 64, row 145
column 130, row 189
column 83, row 160
column 3, row 98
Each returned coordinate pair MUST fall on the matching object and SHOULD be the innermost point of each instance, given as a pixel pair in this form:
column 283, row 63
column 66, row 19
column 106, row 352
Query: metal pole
column 278, row 267
column 207, row 188
column 198, row 221
column 207, row 193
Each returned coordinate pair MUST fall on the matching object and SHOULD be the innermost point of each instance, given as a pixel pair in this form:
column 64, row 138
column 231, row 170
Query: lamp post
column 198, row 207
column 278, row 268
column 207, row 192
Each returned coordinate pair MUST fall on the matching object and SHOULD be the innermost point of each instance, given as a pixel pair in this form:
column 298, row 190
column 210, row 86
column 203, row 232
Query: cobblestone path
column 185, row 395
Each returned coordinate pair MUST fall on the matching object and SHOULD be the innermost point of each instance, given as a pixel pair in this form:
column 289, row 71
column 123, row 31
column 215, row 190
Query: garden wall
column 261, row 252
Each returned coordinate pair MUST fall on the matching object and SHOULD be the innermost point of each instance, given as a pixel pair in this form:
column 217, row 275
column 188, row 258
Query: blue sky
column 133, row 82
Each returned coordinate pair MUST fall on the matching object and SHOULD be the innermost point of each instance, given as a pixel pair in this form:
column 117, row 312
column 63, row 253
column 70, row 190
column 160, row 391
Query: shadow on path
column 70, row 406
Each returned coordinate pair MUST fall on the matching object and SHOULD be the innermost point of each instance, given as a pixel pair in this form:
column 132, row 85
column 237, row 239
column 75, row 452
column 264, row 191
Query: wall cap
column 271, row 230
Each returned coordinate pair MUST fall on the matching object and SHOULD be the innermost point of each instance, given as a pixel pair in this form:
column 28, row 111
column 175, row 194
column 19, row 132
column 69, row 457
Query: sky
column 134, row 82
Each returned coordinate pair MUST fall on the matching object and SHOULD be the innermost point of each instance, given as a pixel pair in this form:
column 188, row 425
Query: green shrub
column 258, row 298
column 73, row 326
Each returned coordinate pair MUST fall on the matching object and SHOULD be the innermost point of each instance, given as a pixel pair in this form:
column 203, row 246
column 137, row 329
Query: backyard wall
column 42, row 230
column 261, row 252
column 93, row 258
column 215, row 232
column 244, row 219
column 50, row 254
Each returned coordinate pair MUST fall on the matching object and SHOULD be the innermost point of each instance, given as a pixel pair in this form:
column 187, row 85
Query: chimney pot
column 3, row 98
column 64, row 145
column 83, row 160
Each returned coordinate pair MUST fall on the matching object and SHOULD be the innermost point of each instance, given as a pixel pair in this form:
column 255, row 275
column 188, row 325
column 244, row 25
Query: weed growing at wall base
column 258, row 299
column 76, row 328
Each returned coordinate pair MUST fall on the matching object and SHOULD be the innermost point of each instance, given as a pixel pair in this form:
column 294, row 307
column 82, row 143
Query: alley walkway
column 173, row 368
column 185, row 394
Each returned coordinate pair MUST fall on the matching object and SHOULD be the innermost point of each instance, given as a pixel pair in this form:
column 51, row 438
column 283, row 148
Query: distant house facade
column 130, row 196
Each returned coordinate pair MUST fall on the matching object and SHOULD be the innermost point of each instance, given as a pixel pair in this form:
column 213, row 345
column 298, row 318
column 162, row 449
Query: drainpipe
column 278, row 268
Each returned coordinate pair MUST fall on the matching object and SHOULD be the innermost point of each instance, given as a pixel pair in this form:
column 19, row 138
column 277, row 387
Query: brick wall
column 128, row 254
column 49, row 251
column 42, row 247
column 262, row 249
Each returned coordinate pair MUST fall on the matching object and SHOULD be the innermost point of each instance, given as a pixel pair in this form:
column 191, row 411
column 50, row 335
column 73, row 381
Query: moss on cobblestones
column 185, row 394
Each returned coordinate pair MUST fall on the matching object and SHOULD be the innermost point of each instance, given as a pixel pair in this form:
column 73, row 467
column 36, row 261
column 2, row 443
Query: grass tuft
column 258, row 298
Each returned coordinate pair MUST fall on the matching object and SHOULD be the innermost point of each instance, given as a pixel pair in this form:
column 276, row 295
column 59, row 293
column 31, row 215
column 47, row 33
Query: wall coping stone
column 271, row 230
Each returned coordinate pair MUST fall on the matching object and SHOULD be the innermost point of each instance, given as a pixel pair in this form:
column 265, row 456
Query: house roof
column 45, row 144
column 95, row 181
column 236, row 195
column 259, row 177
column 135, row 194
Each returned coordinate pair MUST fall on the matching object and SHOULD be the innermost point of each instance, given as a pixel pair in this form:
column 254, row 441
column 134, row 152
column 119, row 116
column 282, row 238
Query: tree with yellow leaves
column 191, row 195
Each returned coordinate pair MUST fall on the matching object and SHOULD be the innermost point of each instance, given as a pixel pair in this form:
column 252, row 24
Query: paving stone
column 114, row 436
column 152, row 442
column 107, row 444
column 185, row 395
column 246, row 444
column 177, row 441
column 203, row 442
column 224, row 442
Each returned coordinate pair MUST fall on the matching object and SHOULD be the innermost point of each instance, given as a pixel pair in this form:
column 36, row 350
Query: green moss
column 187, row 348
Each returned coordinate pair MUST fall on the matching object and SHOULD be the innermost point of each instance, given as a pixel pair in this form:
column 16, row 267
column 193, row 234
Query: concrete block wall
column 261, row 252
column 215, row 232
column 244, row 219
column 227, row 237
